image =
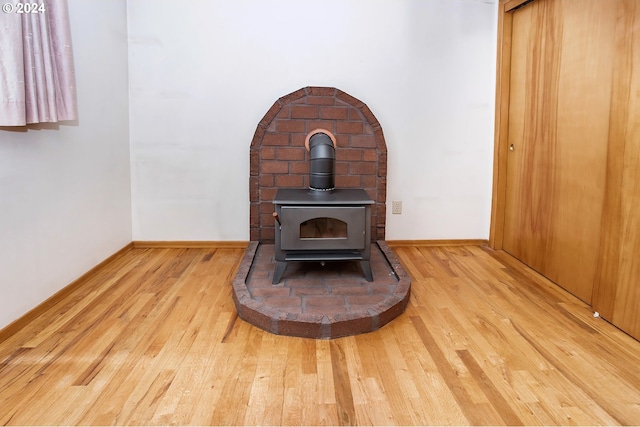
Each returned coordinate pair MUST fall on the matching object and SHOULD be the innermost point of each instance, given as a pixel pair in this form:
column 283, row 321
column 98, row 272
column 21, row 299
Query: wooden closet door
column 560, row 89
column 617, row 288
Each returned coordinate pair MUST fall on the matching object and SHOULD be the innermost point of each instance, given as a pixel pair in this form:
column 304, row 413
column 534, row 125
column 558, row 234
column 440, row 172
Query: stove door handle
column 277, row 218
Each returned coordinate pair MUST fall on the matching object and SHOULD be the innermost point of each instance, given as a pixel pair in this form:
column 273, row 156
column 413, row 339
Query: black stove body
column 331, row 225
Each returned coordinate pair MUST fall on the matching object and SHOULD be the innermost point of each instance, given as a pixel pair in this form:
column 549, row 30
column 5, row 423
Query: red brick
column 335, row 113
column 296, row 153
column 368, row 115
column 304, row 112
column 299, row 168
column 254, row 185
column 367, row 323
column 267, row 220
column 294, row 328
column 255, row 317
column 368, row 181
column 342, row 168
column 260, row 278
column 348, row 181
column 368, row 129
column 276, row 139
column 321, row 91
column 267, row 194
column 254, row 213
column 268, row 153
column 290, row 125
column 395, row 310
column 403, row 284
column 320, row 100
column 284, row 112
column 362, row 168
column 380, row 143
column 310, row 290
column 349, row 154
column 355, row 102
column 261, row 268
column 297, row 139
column 355, row 114
column 274, row 167
column 329, row 310
column 295, row 181
column 267, row 251
column 267, row 234
column 329, row 125
column 382, row 165
column 342, row 141
column 266, row 208
column 365, row 299
column 382, row 194
column 292, row 97
column 271, row 114
column 257, row 136
column 370, row 155
column 350, row 290
column 270, row 291
column 254, row 157
column 349, row 127
column 304, row 281
column 283, row 301
column 384, row 289
column 364, row 141
column 267, row 180
column 324, row 301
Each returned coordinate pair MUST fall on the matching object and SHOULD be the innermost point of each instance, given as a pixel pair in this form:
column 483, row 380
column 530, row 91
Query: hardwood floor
column 153, row 338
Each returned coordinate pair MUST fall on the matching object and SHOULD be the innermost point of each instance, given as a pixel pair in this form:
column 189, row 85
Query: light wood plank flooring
column 153, row 338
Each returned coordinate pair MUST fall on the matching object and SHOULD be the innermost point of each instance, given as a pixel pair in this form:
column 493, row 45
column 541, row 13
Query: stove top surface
column 305, row 196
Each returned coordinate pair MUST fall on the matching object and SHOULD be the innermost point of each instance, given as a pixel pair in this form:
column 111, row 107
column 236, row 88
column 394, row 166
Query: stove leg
column 277, row 274
column 366, row 269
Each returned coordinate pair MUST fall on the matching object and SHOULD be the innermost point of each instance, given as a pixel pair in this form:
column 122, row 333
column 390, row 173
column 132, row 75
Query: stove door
column 322, row 227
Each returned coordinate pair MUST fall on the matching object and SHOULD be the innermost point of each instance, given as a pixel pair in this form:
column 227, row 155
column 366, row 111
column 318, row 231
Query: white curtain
column 37, row 79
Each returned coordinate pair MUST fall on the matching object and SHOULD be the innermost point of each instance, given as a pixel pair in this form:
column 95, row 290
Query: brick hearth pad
column 317, row 301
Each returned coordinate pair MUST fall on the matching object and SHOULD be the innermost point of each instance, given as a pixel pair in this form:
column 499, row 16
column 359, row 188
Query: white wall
column 65, row 202
column 203, row 73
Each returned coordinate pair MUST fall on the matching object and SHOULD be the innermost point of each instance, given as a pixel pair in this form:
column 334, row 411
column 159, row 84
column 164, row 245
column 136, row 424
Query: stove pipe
column 322, row 166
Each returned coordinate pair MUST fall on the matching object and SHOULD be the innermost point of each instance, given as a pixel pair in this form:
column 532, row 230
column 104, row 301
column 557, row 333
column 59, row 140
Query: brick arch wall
column 278, row 158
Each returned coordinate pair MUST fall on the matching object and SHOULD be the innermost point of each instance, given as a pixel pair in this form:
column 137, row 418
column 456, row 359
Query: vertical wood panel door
column 617, row 287
column 559, row 107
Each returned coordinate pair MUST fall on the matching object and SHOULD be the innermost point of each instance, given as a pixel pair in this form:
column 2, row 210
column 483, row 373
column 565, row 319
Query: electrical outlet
column 396, row 207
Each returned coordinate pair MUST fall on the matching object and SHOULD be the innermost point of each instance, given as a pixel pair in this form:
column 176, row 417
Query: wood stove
column 310, row 302
column 322, row 223
column 322, row 226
